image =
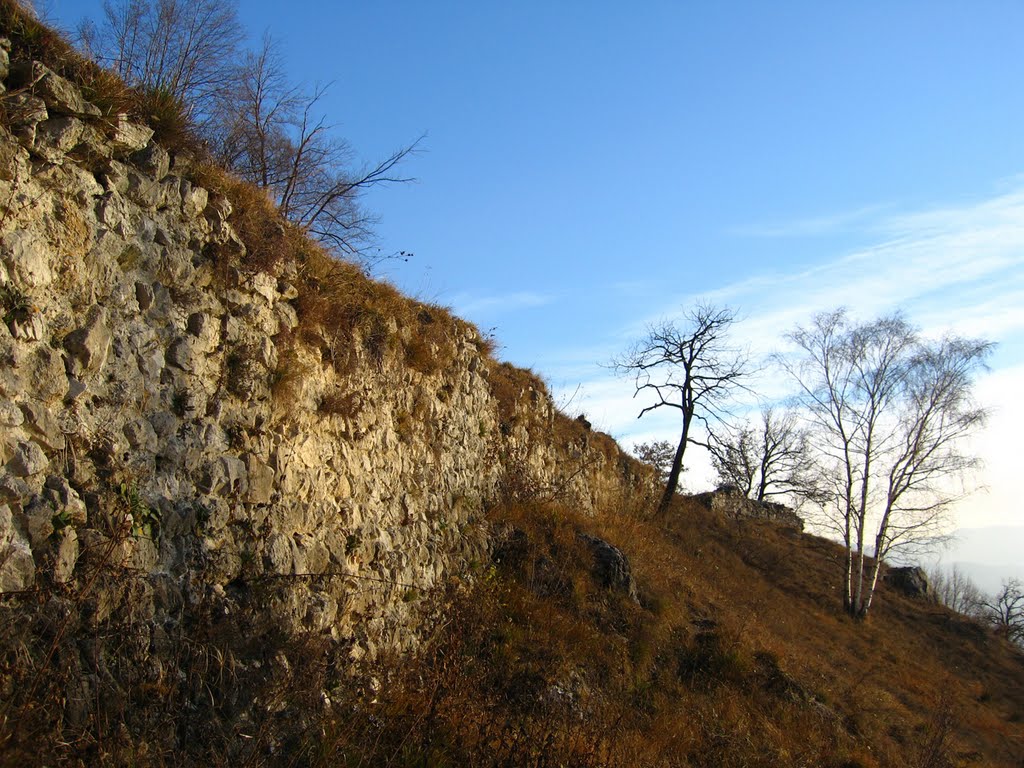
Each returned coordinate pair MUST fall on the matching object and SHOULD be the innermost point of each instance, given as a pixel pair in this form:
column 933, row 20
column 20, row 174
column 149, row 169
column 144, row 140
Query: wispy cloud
column 951, row 268
column 941, row 265
column 816, row 226
column 492, row 306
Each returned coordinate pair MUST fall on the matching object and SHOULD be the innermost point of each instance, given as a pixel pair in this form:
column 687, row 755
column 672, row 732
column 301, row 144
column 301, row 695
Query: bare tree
column 691, row 369
column 890, row 412
column 1005, row 610
column 957, row 591
column 260, row 125
column 659, row 454
column 187, row 49
column 766, row 460
column 270, row 132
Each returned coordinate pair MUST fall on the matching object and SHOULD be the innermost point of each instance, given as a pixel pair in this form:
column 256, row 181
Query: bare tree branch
column 692, row 369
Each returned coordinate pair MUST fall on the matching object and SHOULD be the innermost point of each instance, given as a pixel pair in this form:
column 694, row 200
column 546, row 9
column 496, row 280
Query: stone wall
column 160, row 409
column 734, row 503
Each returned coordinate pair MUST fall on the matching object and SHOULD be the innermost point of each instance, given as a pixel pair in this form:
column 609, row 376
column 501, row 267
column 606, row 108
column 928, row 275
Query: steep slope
column 216, row 437
column 256, row 508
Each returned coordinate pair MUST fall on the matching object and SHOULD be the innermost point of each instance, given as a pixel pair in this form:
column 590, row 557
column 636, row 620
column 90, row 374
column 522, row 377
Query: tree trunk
column 673, row 475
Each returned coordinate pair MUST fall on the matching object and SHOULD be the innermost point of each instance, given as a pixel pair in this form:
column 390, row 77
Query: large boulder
column 910, row 580
column 611, row 566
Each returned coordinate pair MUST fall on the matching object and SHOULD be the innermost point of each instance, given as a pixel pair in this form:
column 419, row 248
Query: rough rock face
column 910, row 580
column 611, row 566
column 732, row 502
column 142, row 423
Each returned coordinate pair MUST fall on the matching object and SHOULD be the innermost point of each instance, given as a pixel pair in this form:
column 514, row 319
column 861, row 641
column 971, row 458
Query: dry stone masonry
column 142, row 425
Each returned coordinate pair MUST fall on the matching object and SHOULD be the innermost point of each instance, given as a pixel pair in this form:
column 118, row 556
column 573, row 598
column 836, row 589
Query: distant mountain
column 987, row 555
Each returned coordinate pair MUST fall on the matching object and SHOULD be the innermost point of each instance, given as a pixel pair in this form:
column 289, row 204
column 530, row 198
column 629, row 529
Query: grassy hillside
column 737, row 655
column 736, row 652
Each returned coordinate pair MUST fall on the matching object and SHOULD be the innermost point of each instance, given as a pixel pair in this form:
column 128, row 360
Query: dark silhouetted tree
column 690, row 368
column 768, row 459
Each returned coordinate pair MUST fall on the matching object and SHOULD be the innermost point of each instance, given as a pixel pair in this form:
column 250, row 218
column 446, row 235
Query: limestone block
column 130, row 137
column 17, row 566
column 31, row 327
column 153, row 160
column 65, row 500
column 43, row 426
column 89, row 345
column 285, row 315
column 59, row 94
column 193, row 199
column 28, row 459
column 13, row 490
column 10, row 414
column 144, row 296
column 226, row 475
column 182, row 353
column 66, row 555
column 141, row 189
column 92, row 150
column 151, row 363
column 261, row 481
column 26, row 258
column 38, row 522
column 58, row 136
column 264, row 285
column 24, row 112
column 280, row 556
column 141, row 435
column 44, row 368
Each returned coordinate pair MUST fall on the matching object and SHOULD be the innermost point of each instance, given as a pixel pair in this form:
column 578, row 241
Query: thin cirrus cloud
column 953, row 269
column 813, row 226
column 942, row 266
column 492, row 306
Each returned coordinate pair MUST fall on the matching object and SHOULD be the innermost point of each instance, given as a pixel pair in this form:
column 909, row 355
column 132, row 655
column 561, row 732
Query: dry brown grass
column 739, row 655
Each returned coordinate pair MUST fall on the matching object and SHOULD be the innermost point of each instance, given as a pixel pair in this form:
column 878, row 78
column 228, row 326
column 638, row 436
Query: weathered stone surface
column 27, row 259
column 226, row 475
column 129, row 137
column 44, row 368
column 611, row 566
column 731, row 501
column 58, row 136
column 141, row 435
column 66, row 555
column 28, row 459
column 261, row 481
column 153, row 161
column 60, row 95
column 24, row 109
column 910, row 580
column 10, row 414
column 17, row 566
column 65, row 500
column 144, row 296
column 89, row 346
column 13, row 490
column 193, row 199
column 240, row 449
column 43, row 426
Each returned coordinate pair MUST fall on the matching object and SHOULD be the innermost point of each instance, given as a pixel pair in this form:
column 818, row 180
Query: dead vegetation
column 736, row 656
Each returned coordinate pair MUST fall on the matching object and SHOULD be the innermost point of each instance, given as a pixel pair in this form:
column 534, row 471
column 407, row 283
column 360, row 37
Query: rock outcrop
column 734, row 503
column 192, row 413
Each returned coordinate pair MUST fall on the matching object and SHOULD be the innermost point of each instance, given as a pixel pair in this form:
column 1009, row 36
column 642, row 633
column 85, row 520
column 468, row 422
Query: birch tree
column 690, row 368
column 890, row 412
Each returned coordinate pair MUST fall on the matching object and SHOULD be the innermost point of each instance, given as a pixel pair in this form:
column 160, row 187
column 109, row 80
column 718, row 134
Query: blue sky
column 591, row 166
